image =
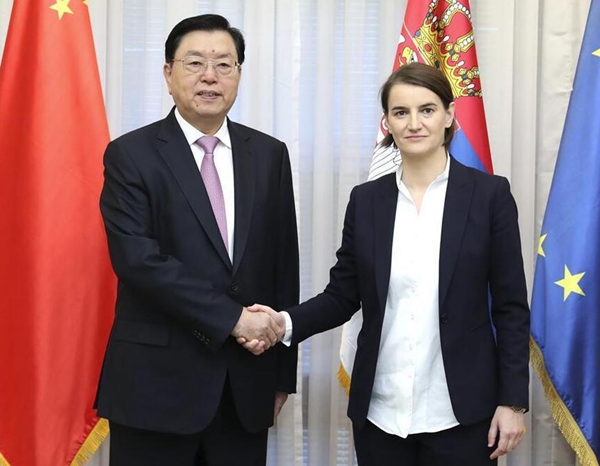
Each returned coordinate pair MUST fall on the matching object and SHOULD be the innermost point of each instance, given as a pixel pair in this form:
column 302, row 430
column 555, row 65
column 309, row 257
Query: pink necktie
column 213, row 184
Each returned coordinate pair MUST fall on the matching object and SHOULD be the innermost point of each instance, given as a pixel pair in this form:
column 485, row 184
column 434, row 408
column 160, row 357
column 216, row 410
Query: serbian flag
column 440, row 34
column 57, row 285
column 565, row 308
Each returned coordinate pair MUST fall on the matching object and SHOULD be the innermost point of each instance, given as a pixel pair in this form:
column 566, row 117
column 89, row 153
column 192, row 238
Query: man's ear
column 167, row 72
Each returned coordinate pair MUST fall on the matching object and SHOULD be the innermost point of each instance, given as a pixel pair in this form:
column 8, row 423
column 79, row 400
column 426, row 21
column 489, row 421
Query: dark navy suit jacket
column 480, row 256
column 179, row 295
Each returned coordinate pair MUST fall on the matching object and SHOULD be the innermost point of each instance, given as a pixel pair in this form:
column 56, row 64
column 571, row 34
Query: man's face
column 204, row 98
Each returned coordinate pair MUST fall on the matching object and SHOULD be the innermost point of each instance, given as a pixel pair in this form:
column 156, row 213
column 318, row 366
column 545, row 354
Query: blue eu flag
column 565, row 311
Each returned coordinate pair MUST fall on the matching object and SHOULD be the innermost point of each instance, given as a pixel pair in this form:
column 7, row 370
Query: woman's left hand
column 510, row 426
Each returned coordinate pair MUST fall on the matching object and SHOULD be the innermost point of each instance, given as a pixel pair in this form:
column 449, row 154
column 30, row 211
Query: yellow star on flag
column 62, row 7
column 541, row 251
column 597, row 53
column 570, row 283
column 85, row 2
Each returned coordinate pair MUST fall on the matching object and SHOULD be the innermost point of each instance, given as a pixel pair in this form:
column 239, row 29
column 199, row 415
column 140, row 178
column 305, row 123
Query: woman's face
column 417, row 120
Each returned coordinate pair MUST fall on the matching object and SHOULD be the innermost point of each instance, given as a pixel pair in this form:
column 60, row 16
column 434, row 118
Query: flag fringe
column 343, row 379
column 91, row 444
column 87, row 449
column 561, row 414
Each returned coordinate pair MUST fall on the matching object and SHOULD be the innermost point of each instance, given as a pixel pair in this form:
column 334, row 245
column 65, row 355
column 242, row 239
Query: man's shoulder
column 148, row 132
column 251, row 134
column 139, row 144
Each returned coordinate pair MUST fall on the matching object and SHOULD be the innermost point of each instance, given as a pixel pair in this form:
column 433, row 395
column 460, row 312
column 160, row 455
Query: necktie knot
column 208, row 143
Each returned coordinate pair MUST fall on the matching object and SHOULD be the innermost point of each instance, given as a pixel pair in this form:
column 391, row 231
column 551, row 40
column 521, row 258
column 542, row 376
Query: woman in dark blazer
column 432, row 254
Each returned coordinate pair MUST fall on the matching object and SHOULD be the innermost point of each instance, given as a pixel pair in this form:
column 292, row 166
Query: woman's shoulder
column 377, row 185
column 480, row 177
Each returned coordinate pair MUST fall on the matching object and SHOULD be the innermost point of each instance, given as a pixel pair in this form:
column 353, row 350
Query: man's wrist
column 517, row 409
column 235, row 331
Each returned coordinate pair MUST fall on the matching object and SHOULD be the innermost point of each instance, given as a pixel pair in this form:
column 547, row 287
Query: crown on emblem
column 445, row 52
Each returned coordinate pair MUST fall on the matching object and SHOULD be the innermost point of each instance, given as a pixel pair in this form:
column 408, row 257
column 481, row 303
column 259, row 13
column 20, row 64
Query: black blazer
column 480, row 250
column 179, row 296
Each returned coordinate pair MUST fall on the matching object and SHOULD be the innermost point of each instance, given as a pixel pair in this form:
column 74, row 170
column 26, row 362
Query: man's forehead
column 213, row 43
column 218, row 36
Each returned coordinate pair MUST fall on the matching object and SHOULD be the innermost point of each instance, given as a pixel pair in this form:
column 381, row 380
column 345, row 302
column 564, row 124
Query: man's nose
column 209, row 74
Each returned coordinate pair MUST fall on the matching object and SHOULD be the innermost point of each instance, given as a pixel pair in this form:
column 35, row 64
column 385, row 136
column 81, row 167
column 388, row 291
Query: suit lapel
column 177, row 154
column 244, row 181
column 456, row 210
column 384, row 216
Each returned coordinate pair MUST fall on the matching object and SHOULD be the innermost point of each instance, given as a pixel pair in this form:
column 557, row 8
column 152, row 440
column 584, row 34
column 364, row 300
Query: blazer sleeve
column 341, row 297
column 510, row 311
column 287, row 274
column 138, row 261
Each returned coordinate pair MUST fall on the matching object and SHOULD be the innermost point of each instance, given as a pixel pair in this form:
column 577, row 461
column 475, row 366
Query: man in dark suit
column 200, row 220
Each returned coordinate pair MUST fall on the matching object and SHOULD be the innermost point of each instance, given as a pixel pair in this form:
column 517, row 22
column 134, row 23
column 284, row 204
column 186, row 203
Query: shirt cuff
column 287, row 337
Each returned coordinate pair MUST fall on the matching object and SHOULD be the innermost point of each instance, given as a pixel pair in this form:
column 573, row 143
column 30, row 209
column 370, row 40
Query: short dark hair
column 203, row 23
column 422, row 75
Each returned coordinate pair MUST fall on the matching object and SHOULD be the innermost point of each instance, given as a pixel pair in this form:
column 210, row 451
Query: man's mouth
column 208, row 94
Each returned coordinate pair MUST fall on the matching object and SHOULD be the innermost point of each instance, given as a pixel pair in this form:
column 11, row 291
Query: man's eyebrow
column 197, row 53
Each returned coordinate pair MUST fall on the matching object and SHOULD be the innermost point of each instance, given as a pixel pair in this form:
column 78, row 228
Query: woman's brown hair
column 419, row 74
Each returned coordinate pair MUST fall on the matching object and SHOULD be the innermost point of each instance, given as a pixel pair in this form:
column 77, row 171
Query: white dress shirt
column 223, row 157
column 410, row 393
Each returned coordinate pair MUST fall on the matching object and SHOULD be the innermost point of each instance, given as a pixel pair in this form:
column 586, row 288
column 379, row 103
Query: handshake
column 259, row 328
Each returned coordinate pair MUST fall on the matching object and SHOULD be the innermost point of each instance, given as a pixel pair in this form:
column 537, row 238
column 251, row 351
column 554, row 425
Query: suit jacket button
column 234, row 288
column 197, row 334
column 444, row 318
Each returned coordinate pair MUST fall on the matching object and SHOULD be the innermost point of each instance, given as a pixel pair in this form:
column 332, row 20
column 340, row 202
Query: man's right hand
column 258, row 346
column 256, row 327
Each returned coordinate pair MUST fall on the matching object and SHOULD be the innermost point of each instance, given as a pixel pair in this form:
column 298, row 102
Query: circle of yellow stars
column 62, row 6
column 570, row 282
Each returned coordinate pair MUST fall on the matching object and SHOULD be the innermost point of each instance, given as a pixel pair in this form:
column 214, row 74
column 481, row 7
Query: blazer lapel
column 244, row 180
column 384, row 218
column 177, row 154
column 456, row 210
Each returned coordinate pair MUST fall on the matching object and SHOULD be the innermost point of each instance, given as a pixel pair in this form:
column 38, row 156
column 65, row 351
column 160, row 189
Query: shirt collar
column 441, row 177
column 192, row 134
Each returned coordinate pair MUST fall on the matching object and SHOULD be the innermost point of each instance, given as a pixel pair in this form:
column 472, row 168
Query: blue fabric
column 461, row 150
column 566, row 324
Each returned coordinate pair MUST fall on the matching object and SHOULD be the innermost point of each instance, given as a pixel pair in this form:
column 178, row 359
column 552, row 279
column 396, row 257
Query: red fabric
column 425, row 15
column 57, row 287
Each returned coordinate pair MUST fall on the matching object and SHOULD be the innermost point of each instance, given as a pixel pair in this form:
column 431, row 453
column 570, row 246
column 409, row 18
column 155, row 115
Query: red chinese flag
column 57, row 287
